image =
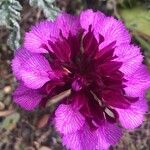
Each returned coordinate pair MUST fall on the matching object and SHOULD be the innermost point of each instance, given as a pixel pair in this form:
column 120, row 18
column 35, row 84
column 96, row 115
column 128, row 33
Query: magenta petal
column 131, row 57
column 89, row 17
column 90, row 55
column 138, row 82
column 39, row 35
column 67, row 119
column 83, row 139
column 133, row 116
column 36, row 72
column 26, row 98
column 108, row 134
column 114, row 30
column 68, row 24
column 22, row 55
column 110, row 28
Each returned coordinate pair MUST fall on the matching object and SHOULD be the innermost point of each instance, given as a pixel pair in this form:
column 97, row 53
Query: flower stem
column 58, row 97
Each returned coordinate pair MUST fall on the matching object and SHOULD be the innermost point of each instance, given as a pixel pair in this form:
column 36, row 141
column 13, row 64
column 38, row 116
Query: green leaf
column 137, row 19
column 127, row 3
column 144, row 43
column 148, row 94
column 10, row 17
column 50, row 11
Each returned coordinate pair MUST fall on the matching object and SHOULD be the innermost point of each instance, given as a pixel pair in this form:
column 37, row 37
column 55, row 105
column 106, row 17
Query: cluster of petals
column 91, row 55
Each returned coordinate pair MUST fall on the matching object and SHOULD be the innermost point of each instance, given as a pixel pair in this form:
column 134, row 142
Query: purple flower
column 92, row 55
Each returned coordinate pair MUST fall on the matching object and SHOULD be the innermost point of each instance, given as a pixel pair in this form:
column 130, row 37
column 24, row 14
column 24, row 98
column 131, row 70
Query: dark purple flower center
column 93, row 75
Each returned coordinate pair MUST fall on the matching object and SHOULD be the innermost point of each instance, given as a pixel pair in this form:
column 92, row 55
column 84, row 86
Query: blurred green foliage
column 10, row 17
column 50, row 11
column 127, row 3
column 137, row 18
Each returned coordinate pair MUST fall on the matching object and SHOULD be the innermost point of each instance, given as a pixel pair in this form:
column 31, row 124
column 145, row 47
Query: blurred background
column 22, row 130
